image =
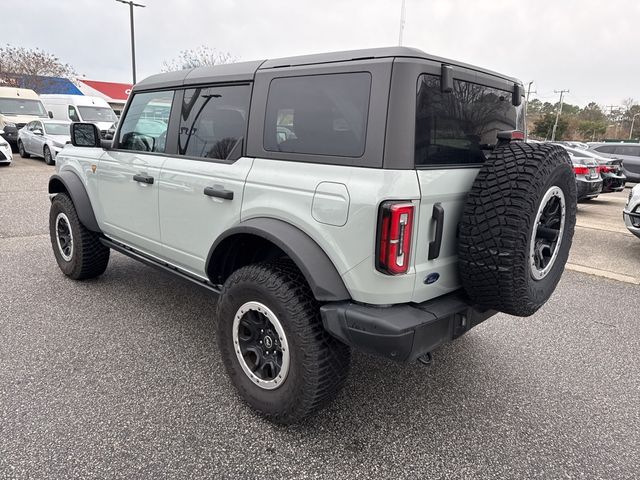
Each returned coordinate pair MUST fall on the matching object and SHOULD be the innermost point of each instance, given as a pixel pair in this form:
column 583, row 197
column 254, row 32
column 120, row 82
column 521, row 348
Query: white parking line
column 603, row 273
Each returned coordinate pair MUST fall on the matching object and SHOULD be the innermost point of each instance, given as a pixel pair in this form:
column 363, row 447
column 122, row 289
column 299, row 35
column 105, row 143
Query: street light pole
column 403, row 13
column 133, row 43
column 633, row 120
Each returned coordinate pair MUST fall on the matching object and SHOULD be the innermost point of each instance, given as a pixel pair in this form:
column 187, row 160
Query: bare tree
column 26, row 67
column 197, row 57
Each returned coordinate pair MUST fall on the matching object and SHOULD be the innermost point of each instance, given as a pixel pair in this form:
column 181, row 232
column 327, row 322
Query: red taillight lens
column 581, row 170
column 605, row 169
column 394, row 237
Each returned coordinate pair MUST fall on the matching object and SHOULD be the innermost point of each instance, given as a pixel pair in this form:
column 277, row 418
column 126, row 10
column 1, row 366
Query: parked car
column 6, row 156
column 588, row 179
column 18, row 106
column 629, row 153
column 43, row 138
column 80, row 108
column 613, row 179
column 329, row 203
column 631, row 213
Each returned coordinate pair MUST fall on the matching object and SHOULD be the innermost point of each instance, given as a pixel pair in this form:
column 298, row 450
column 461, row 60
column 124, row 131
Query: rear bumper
column 588, row 189
column 402, row 332
column 613, row 183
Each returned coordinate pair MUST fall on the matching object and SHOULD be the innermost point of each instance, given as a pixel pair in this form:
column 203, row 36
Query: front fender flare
column 318, row 269
column 68, row 181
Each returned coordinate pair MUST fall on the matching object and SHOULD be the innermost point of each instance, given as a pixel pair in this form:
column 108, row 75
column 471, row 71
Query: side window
column 318, row 114
column 213, row 121
column 31, row 126
column 628, row 150
column 144, row 126
column 73, row 114
column 605, row 149
column 460, row 127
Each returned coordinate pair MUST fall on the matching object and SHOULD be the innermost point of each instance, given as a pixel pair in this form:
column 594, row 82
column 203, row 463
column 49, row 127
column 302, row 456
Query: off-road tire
column 46, row 154
column 319, row 363
column 497, row 225
column 89, row 257
column 23, row 153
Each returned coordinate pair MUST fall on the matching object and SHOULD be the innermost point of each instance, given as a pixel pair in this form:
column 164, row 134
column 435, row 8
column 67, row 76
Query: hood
column 59, row 138
column 20, row 118
column 103, row 125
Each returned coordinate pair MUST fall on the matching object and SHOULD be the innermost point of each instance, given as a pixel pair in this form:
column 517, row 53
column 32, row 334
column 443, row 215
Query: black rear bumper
column 402, row 332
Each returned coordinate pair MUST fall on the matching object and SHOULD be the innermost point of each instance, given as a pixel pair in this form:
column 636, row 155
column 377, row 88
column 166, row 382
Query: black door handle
column 434, row 246
column 218, row 192
column 143, row 178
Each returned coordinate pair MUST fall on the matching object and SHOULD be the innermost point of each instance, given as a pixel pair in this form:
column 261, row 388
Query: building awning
column 110, row 91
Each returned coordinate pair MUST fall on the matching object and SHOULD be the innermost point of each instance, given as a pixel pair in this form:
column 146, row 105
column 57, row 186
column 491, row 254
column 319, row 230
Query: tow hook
column 426, row 359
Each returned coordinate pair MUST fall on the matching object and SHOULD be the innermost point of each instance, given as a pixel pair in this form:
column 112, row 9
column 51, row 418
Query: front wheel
column 23, row 153
column 78, row 250
column 48, row 158
column 275, row 350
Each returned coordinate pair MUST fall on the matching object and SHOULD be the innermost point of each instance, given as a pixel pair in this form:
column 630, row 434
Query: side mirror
column 1, row 132
column 37, row 131
column 85, row 135
column 50, row 114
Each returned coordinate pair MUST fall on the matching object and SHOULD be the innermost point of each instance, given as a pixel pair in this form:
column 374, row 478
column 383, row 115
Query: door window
column 73, row 114
column 144, row 127
column 318, row 114
column 629, row 150
column 460, row 127
column 213, row 122
column 606, row 149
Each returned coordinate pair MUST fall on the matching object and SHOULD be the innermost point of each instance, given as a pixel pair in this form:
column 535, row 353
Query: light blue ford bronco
column 382, row 200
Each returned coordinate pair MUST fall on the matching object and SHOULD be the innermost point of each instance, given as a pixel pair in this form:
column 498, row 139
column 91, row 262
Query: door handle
column 218, row 192
column 139, row 177
column 434, row 246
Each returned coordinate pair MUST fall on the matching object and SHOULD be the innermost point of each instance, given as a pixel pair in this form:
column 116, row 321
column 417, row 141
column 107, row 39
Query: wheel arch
column 69, row 183
column 269, row 238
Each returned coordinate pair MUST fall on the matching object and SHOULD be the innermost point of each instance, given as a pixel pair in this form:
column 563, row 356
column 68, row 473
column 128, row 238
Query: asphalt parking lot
column 119, row 377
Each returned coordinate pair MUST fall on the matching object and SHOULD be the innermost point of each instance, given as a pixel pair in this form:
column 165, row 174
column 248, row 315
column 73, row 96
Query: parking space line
column 602, row 273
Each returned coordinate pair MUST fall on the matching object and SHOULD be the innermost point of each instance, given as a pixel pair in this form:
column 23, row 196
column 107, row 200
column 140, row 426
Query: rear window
column 318, row 114
column 460, row 127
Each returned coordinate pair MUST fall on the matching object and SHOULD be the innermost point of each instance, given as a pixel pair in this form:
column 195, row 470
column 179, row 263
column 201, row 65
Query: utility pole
column 526, row 107
column 403, row 13
column 633, row 121
column 555, row 125
column 133, row 43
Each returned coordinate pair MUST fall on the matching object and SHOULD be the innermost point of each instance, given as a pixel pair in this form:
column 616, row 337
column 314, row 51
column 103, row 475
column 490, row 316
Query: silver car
column 629, row 153
column 631, row 213
column 44, row 138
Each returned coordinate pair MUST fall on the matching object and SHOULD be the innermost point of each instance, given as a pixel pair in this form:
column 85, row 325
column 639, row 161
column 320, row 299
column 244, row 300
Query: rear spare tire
column 517, row 226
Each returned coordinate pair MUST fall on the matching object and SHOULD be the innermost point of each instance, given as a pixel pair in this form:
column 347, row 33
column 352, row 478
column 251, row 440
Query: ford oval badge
column 432, row 278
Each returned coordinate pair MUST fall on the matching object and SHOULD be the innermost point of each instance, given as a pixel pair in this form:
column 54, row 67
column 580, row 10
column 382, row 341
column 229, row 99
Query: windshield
column 19, row 106
column 97, row 114
column 57, row 129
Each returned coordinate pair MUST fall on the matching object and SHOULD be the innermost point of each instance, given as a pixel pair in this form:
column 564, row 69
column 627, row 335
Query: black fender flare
column 318, row 269
column 69, row 182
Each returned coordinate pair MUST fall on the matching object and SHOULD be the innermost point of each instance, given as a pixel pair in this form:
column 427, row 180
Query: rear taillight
column 395, row 225
column 605, row 169
column 581, row 170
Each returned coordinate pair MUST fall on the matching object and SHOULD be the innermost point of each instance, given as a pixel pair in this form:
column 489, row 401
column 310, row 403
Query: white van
column 80, row 108
column 18, row 106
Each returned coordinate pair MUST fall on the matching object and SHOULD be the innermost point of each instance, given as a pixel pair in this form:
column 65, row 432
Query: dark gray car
column 629, row 153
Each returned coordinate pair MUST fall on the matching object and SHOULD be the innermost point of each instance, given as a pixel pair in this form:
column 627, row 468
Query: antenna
column 403, row 13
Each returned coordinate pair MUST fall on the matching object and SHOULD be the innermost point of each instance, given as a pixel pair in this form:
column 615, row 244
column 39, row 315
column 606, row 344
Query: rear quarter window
column 318, row 114
column 460, row 127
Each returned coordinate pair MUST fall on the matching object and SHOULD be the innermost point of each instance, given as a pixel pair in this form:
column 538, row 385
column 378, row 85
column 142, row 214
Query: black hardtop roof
column 245, row 71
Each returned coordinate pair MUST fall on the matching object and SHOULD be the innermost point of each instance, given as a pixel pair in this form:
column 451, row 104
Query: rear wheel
column 48, row 158
column 23, row 153
column 78, row 250
column 275, row 350
column 517, row 226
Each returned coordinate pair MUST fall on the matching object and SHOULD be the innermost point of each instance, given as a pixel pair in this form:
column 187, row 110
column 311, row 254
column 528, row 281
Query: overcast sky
column 591, row 47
